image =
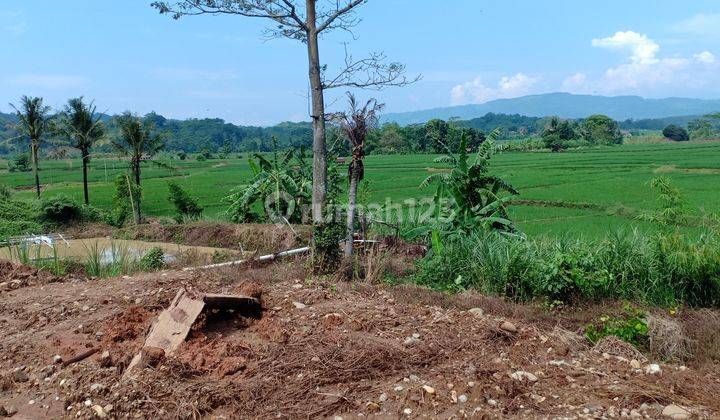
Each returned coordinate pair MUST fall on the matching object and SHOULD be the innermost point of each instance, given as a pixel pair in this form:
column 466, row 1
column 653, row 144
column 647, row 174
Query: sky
column 126, row 56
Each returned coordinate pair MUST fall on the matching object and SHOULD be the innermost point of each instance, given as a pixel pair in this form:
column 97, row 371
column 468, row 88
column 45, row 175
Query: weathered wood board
column 173, row 324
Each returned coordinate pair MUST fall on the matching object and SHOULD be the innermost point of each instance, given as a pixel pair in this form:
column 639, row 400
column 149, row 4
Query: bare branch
column 341, row 13
column 372, row 72
column 283, row 12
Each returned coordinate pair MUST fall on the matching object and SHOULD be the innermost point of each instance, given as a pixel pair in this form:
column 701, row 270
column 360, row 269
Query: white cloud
column 577, row 83
column 48, row 81
column 646, row 69
column 475, row 91
column 16, row 29
column 700, row 24
column 643, row 49
column 705, row 57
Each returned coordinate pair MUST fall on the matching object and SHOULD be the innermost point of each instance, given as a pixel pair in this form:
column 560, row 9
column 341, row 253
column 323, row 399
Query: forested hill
column 194, row 135
column 566, row 105
column 216, row 135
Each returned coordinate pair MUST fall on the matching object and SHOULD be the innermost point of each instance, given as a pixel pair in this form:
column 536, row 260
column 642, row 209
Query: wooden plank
column 237, row 302
column 172, row 326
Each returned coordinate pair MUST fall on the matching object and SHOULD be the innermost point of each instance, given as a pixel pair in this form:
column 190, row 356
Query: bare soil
column 320, row 349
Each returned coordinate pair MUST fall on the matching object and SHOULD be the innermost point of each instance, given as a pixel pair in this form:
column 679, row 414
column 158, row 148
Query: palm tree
column 33, row 122
column 82, row 125
column 356, row 124
column 136, row 141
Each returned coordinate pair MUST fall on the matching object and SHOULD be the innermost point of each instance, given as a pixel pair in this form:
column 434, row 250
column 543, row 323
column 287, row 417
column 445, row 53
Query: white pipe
column 268, row 257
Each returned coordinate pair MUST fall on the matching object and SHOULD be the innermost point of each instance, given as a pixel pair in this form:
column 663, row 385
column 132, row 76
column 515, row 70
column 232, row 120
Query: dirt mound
column 320, row 349
column 14, row 276
column 244, row 237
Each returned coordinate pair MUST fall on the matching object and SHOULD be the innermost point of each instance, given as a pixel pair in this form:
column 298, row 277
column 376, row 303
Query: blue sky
column 127, row 57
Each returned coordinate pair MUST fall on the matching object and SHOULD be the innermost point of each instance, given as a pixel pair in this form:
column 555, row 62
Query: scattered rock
column 97, row 388
column 521, row 376
column 462, row 398
column 428, row 389
column 99, row 411
column 653, row 369
column 508, row 326
column 383, row 397
column 299, row 305
column 478, row 312
column 57, row 359
column 635, row 364
column 676, row 412
column 19, row 375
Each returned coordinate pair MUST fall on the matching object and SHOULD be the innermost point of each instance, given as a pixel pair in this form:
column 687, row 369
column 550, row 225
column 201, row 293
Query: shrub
column 601, row 129
column 122, row 211
column 186, row 206
column 153, row 260
column 18, row 218
column 664, row 269
column 60, row 209
column 676, row 133
column 5, row 192
column 21, row 163
column 631, row 327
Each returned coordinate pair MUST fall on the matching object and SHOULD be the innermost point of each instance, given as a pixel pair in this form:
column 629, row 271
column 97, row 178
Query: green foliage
column 702, row 129
column 663, row 270
column 126, row 195
column 186, row 206
column 326, row 253
column 468, row 198
column 279, row 186
column 18, row 218
column 558, row 133
column 59, row 210
column 671, row 213
column 5, row 192
column 153, row 260
column 673, row 132
column 106, row 263
column 631, row 327
column 21, row 163
column 600, row 129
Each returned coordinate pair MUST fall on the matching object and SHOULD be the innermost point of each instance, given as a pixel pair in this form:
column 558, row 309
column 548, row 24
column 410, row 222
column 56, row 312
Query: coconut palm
column 82, row 125
column 137, row 141
column 356, row 124
column 33, row 122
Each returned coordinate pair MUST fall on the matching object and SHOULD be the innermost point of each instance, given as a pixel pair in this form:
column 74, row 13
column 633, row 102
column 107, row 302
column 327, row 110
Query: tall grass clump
column 626, row 265
column 106, row 263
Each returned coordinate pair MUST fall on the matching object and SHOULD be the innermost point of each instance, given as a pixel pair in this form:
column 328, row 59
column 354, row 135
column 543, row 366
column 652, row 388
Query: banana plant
column 467, row 198
column 276, row 183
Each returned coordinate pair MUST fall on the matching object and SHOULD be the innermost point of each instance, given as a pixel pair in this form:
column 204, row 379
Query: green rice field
column 585, row 191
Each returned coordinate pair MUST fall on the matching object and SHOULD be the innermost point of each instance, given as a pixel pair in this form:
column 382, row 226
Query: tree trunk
column 85, row 159
column 318, row 117
column 34, row 153
column 136, row 208
column 352, row 199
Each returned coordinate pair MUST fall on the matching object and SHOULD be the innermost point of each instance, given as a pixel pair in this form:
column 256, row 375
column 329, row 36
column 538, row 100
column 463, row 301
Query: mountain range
column 566, row 105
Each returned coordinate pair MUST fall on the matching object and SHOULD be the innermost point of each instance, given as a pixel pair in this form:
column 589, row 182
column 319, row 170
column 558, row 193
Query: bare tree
column 355, row 124
column 305, row 21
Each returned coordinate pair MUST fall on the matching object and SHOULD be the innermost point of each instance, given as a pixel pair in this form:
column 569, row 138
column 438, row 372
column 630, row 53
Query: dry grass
column 668, row 340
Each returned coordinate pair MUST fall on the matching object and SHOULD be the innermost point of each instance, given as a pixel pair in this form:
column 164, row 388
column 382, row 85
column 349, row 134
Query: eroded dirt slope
column 318, row 350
